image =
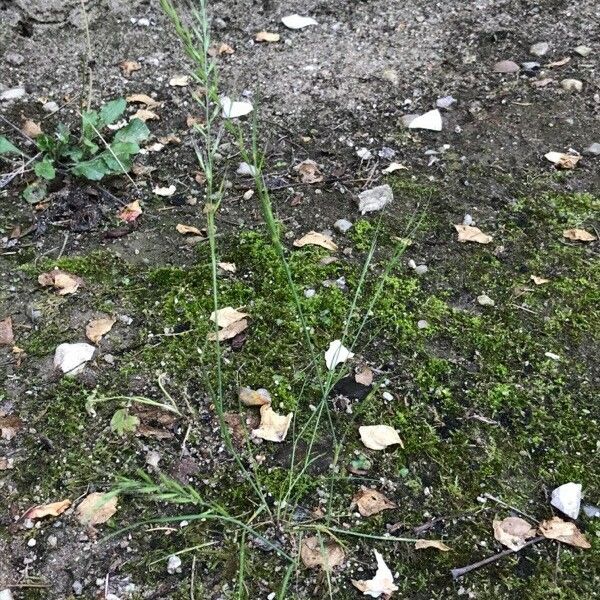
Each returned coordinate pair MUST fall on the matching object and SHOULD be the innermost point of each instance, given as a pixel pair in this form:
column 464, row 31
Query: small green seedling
column 91, row 156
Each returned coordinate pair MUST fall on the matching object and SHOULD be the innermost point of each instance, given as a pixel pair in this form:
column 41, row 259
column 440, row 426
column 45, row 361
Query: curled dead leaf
column 437, row 544
column 468, row 233
column 579, row 235
column 312, row 238
column 265, row 36
column 564, row 531
column 273, row 427
column 309, row 171
column 185, row 229
column 218, row 50
column 143, row 99
column 129, row 66
column 562, row 160
column 364, row 376
column 54, row 509
column 513, row 532
column 130, row 212
column 179, row 81
column 229, row 332
column 250, row 397
column 227, row 266
column 145, row 114
column 379, row 437
column 317, row 553
column 7, row 337
column 381, row 584
column 226, row 316
column 31, row 129
column 371, row 502
column 97, row 328
column 64, row 283
column 96, row 508
column 539, row 280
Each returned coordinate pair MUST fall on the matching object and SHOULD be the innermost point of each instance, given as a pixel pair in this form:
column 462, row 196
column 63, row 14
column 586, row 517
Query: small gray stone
column 375, row 198
column 342, row 225
column 309, row 293
column 77, row 588
column 421, row 269
column 446, row 102
column 583, row 50
column 540, row 49
column 386, row 153
column 6, row 594
column 14, row 58
column 173, row 564
column 571, row 85
column 591, row 511
column 13, row 94
column 530, row 66
column 592, row 149
column 422, row 324
column 468, row 220
column 485, row 300
column 50, row 107
column 506, row 66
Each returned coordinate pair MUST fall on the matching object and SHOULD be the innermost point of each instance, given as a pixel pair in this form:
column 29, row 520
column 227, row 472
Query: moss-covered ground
column 498, row 400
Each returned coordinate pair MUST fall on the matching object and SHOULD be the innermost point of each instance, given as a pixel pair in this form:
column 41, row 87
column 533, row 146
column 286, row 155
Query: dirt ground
column 479, row 405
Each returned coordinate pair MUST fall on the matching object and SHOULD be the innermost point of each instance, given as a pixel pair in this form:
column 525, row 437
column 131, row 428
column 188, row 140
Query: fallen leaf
column 562, row 160
column 31, row 129
column 9, row 425
column 559, row 63
column 229, row 332
column 185, row 229
column 336, row 353
column 192, row 121
column 179, row 81
column 312, row 238
column 169, row 139
column 265, row 36
column 563, row 531
column 5, row 464
column 227, row 316
column 123, row 422
column 468, row 233
column 144, row 114
column 143, row 99
column 371, row 502
column 513, row 532
column 96, row 508
column 235, row 109
column 53, row 509
column 391, row 168
column 250, row 397
column 227, row 266
column 437, row 544
column 97, row 328
column 165, row 191
column 567, row 498
column 130, row 212
column 222, row 48
column 64, row 283
column 431, row 120
column 7, row 337
column 129, row 66
column 273, row 427
column 295, row 21
column 379, row 437
column 326, row 555
column 579, row 235
column 364, row 376
column 309, row 171
column 375, row 198
column 539, row 280
column 382, row 583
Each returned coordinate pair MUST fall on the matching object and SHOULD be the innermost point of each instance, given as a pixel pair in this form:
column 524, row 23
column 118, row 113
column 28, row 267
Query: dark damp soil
column 498, row 400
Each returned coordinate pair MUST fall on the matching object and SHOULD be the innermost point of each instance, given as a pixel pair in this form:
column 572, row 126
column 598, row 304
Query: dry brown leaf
column 31, row 129
column 437, row 544
column 266, row 36
column 364, row 376
column 313, row 238
column 513, row 532
column 53, row 509
column 218, row 50
column 130, row 212
column 97, row 328
column 9, row 425
column 7, row 337
column 96, row 508
column 229, row 332
column 6, row 463
column 316, row 553
column 539, row 280
column 185, row 229
column 144, row 114
column 64, row 283
column 179, row 81
column 250, row 397
column 562, row 160
column 143, row 99
column 273, row 427
column 192, row 121
column 227, row 266
column 379, row 437
column 563, row 531
column 169, row 139
column 226, row 316
column 370, row 502
column 467, row 233
column 129, row 66
column 309, row 171
column 579, row 235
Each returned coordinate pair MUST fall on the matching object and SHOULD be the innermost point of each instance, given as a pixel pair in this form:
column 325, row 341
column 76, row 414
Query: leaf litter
column 379, row 437
column 63, row 282
column 371, row 502
column 320, row 554
column 313, row 238
column 97, row 328
column 382, row 583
